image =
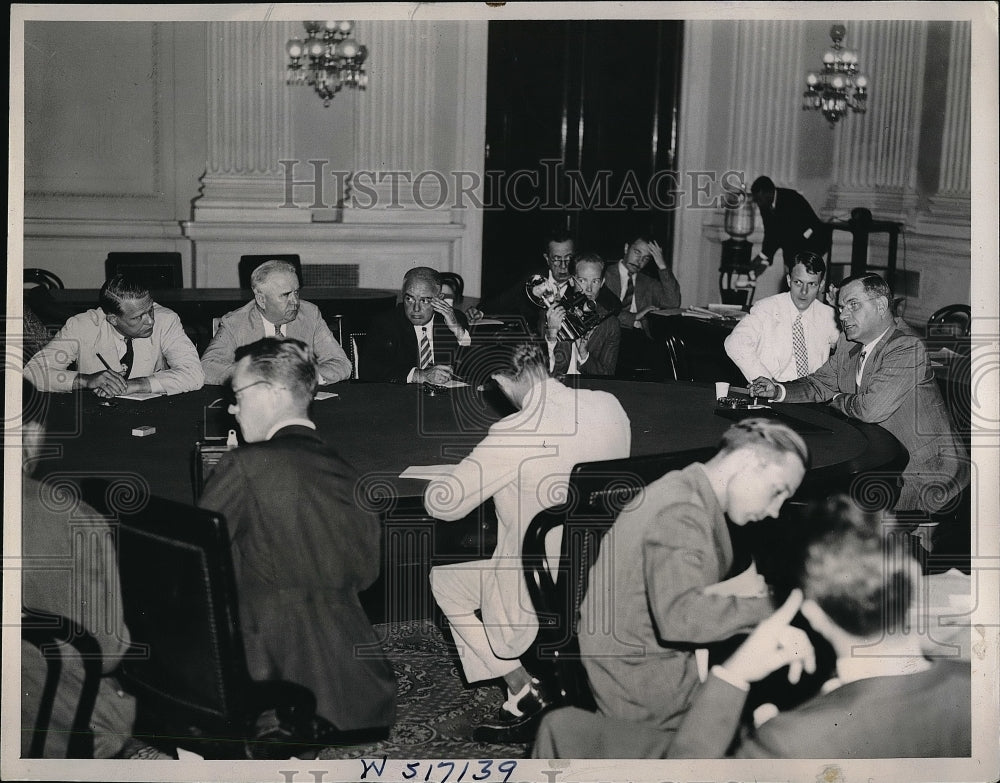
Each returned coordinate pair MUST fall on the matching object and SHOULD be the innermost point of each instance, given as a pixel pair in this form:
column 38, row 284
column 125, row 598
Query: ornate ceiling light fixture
column 334, row 59
column 839, row 86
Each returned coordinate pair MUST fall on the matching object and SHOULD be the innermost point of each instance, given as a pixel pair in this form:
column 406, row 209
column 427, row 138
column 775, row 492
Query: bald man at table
column 127, row 345
column 275, row 311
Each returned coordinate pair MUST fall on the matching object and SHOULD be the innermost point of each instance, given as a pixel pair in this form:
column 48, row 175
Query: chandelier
column 334, row 59
column 839, row 86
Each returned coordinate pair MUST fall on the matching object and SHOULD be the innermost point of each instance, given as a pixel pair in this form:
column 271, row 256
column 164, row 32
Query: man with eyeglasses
column 885, row 378
column 127, row 345
column 787, row 335
column 420, row 341
column 596, row 352
column 302, row 549
column 559, row 255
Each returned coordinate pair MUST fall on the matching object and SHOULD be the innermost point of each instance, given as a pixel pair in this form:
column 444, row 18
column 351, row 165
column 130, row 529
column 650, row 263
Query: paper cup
column 721, row 390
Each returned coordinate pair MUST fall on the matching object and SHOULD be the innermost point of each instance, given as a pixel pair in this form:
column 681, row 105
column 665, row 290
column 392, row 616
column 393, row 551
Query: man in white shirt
column 787, row 335
column 524, row 464
column 128, row 345
column 275, row 311
column 885, row 378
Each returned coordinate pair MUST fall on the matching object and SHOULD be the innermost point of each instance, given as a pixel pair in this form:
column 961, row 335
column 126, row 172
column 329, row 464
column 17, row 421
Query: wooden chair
column 34, row 278
column 56, row 639
column 249, row 263
column 153, row 270
column 187, row 666
column 597, row 493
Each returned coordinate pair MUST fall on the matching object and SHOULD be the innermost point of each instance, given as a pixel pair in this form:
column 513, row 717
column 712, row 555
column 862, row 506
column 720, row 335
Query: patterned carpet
column 436, row 710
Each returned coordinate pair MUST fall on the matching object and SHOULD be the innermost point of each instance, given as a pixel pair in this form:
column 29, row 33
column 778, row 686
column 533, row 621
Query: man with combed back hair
column 887, row 699
column 524, row 464
column 652, row 583
column 420, row 341
column 127, row 345
column 302, row 549
column 275, row 311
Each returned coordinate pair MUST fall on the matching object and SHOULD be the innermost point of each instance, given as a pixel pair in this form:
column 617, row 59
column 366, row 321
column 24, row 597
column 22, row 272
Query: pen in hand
column 106, row 365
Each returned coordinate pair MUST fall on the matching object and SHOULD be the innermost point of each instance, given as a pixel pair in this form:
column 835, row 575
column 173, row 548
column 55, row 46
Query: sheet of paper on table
column 453, row 384
column 426, row 471
column 325, row 395
column 488, row 322
column 140, row 396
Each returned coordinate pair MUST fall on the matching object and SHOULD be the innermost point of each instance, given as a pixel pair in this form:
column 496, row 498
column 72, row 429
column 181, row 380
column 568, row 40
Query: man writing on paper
column 128, row 345
column 524, row 464
column 275, row 311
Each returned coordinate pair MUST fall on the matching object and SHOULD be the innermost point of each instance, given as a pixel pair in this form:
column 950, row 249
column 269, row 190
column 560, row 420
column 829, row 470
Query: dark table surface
column 384, row 428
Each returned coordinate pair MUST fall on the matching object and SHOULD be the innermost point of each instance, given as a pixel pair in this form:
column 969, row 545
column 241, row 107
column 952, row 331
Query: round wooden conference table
column 384, row 428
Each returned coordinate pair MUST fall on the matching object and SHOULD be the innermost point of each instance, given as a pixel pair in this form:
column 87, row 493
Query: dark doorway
column 580, row 117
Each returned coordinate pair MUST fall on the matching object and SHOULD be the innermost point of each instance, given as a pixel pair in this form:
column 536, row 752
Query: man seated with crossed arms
column 127, row 345
column 887, row 700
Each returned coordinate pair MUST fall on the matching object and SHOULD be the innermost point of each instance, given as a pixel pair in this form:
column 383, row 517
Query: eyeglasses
column 561, row 260
column 854, row 305
column 237, row 392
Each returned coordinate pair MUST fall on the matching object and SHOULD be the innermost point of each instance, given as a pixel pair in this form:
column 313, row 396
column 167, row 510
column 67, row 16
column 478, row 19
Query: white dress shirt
column 761, row 344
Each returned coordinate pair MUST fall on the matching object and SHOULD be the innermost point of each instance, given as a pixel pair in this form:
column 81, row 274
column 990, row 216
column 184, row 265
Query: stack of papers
column 715, row 312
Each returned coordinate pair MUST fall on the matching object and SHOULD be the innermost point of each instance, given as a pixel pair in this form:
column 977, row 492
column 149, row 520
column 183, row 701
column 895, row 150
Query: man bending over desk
column 275, row 311
column 127, row 345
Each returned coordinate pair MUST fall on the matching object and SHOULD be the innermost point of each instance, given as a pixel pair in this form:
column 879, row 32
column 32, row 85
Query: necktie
column 629, row 293
column 425, row 350
column 861, row 364
column 127, row 358
column 277, row 331
column 799, row 347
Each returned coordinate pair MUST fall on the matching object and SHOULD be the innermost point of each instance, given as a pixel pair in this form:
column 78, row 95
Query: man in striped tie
column 789, row 335
column 420, row 341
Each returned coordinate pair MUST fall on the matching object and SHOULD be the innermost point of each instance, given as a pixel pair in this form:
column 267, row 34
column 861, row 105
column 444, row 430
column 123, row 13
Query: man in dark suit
column 302, row 549
column 790, row 224
column 886, row 701
column 885, row 378
column 596, row 352
column 559, row 255
column 637, row 294
column 420, row 341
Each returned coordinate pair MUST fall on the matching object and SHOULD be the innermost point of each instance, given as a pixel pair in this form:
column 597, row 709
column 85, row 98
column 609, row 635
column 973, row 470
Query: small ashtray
column 732, row 403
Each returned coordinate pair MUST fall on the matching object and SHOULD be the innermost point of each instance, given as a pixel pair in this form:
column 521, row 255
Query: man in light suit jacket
column 885, row 378
column 302, row 549
column 128, row 345
column 420, row 341
column 886, row 701
column 275, row 311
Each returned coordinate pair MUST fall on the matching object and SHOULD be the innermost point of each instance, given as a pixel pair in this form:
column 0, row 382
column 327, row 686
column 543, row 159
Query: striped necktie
column 425, row 349
column 861, row 364
column 629, row 293
column 799, row 347
column 277, row 331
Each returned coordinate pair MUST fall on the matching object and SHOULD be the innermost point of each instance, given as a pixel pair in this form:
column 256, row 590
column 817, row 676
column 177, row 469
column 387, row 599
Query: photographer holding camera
column 581, row 336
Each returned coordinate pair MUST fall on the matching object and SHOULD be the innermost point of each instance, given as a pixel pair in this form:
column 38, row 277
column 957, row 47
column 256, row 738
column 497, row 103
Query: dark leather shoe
column 507, row 727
